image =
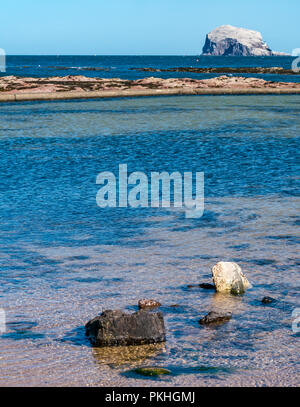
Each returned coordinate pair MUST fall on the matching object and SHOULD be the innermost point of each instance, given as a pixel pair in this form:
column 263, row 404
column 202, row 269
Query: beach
column 64, row 260
column 149, row 199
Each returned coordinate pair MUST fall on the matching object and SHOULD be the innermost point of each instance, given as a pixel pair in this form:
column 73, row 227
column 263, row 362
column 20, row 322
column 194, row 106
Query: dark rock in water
column 215, row 318
column 148, row 304
column 207, row 286
column 152, row 371
column 267, row 300
column 115, row 328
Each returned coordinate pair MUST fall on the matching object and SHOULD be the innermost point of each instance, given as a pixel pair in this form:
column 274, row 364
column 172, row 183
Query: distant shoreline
column 16, row 88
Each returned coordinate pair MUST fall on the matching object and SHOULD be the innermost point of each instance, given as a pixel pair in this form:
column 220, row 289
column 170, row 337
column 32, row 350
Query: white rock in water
column 229, row 40
column 228, row 277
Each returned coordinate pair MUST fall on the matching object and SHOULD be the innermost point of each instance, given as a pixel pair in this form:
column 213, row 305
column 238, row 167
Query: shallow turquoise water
column 64, row 260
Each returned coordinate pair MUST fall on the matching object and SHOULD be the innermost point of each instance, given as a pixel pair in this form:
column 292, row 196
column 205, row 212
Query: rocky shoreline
column 15, row 88
column 260, row 70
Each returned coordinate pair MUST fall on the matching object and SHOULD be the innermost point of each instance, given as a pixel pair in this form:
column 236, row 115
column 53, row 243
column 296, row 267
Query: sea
column 63, row 259
column 125, row 66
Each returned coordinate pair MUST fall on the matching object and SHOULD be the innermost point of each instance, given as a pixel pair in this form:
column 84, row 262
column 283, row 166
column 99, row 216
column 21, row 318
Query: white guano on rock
column 228, row 40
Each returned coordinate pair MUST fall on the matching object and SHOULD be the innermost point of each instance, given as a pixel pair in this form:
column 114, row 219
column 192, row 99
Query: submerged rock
column 127, row 355
column 152, row 371
column 215, row 318
column 268, row 300
column 228, row 277
column 148, row 304
column 116, row 328
column 207, row 286
column 228, row 40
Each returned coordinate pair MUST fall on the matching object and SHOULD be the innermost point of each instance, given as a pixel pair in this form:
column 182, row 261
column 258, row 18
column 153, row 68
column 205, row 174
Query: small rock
column 148, row 304
column 228, row 277
column 216, row 318
column 152, row 371
column 267, row 300
column 115, row 328
column 207, row 286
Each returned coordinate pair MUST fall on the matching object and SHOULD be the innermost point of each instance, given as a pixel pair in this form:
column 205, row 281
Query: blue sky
column 139, row 27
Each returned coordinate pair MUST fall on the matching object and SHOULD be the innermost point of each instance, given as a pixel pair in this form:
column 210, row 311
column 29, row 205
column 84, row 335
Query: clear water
column 121, row 66
column 64, row 260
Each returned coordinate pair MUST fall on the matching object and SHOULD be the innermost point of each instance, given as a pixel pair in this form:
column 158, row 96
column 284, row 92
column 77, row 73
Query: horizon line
column 145, row 55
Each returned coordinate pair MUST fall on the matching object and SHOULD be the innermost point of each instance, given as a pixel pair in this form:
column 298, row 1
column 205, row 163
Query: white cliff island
column 228, row 40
